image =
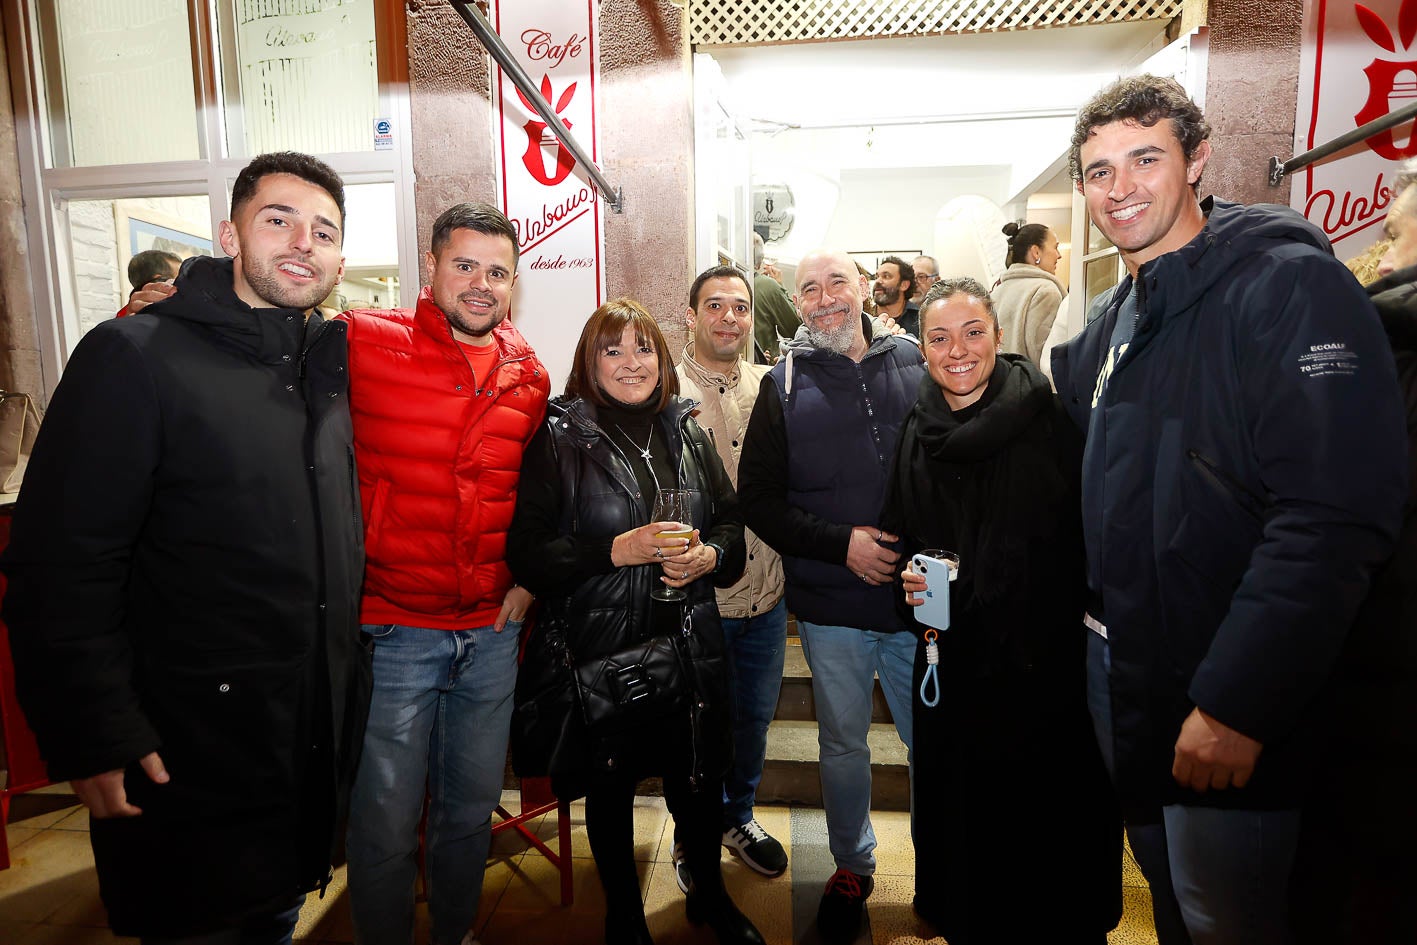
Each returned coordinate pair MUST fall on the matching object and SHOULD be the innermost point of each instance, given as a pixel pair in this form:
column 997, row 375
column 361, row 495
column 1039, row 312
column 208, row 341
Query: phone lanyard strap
column 932, row 670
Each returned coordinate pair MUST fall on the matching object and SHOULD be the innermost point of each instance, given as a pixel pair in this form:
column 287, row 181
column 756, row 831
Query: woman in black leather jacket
column 583, row 541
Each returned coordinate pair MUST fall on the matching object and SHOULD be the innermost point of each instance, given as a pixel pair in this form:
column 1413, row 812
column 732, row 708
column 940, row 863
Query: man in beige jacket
column 714, row 373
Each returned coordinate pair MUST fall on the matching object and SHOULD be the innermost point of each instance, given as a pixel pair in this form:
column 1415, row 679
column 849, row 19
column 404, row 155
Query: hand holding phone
column 936, row 568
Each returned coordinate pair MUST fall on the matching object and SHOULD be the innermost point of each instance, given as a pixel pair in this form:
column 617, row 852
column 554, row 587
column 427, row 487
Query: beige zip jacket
column 725, row 404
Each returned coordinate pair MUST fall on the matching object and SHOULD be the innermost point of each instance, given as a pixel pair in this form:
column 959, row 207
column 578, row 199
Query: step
column 790, row 773
column 795, row 701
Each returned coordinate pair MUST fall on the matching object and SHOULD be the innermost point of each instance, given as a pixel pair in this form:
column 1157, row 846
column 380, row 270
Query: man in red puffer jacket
column 444, row 399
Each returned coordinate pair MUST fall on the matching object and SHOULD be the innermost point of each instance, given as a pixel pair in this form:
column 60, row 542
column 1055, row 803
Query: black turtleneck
column 630, row 427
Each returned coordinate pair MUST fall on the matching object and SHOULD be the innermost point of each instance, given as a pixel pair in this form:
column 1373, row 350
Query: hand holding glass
column 673, row 505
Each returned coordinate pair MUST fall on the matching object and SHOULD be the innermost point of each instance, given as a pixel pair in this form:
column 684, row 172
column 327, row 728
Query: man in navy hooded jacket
column 1244, row 474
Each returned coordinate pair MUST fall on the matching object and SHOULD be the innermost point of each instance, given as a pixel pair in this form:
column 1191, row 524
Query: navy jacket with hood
column 1251, row 477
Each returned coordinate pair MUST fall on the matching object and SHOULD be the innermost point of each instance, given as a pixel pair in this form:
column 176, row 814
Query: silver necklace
column 649, row 463
column 648, row 442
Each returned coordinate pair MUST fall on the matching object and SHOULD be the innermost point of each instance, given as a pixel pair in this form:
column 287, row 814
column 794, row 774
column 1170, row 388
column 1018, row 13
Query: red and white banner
column 1358, row 62
column 550, row 198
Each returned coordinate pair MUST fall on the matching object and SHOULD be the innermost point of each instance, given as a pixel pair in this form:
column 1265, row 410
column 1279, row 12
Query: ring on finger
column 659, row 553
column 880, row 534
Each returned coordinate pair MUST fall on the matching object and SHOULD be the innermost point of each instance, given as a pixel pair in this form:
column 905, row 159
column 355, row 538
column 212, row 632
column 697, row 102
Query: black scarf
column 982, row 480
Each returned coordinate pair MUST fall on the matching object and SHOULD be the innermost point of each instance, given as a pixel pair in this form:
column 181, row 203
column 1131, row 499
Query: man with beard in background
column 895, row 281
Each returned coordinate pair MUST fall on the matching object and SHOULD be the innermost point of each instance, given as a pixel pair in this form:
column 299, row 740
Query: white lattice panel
column 751, row 22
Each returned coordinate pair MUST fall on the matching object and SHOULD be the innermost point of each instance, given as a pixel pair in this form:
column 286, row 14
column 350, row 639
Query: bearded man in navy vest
column 816, row 458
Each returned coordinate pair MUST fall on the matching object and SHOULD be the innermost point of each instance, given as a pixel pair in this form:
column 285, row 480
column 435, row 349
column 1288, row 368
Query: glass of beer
column 673, row 505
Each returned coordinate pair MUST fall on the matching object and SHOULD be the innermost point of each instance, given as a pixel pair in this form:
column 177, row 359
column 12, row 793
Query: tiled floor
column 50, row 896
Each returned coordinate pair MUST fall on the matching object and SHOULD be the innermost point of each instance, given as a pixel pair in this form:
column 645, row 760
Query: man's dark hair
column 478, row 217
column 717, row 272
column 1144, row 99
column 303, row 166
column 906, row 270
column 958, row 285
column 1022, row 238
column 151, row 265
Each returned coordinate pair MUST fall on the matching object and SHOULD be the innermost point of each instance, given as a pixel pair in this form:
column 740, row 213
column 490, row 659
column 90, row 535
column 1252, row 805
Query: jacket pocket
column 1217, row 535
column 374, row 524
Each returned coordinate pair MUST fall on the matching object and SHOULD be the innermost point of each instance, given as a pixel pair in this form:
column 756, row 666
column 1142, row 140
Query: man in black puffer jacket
column 1356, row 873
column 1243, row 477
column 184, row 576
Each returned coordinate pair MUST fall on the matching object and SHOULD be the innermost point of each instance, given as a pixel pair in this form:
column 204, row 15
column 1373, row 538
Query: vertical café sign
column 549, row 198
column 1358, row 62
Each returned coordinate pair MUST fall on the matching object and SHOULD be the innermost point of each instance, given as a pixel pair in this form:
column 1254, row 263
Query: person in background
column 1029, row 293
column 148, row 266
column 712, row 372
column 1354, row 871
column 774, row 317
column 895, row 281
column 1243, row 477
column 927, row 273
column 444, row 398
column 584, row 539
column 184, row 579
column 988, row 468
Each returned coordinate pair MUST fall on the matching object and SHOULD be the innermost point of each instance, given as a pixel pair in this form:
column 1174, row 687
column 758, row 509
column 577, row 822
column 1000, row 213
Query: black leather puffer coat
column 577, row 493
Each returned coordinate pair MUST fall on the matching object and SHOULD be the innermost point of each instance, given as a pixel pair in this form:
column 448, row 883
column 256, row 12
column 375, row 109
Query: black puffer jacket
column 577, row 493
column 1355, row 871
column 184, row 574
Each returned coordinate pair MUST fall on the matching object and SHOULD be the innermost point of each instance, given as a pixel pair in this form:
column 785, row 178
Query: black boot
column 625, row 925
column 708, row 902
column 718, row 912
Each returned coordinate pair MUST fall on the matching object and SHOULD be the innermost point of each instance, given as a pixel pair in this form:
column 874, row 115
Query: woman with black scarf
column 1015, row 825
column 584, row 539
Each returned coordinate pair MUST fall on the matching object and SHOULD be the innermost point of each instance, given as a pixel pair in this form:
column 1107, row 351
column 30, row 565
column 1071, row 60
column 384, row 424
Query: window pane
column 104, row 235
column 1096, row 242
column 371, row 254
column 1101, row 274
column 119, row 82
column 306, row 75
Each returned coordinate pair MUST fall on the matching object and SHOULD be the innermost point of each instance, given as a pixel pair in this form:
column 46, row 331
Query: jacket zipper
column 1247, row 500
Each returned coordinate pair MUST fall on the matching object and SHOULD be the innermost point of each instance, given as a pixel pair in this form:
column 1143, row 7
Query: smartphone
column 938, row 568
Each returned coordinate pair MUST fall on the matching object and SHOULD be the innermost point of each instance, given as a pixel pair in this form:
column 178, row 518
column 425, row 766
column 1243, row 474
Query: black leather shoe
column 719, row 913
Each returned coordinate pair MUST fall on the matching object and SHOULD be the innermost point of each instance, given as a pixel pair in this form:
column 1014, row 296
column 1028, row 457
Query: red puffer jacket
column 439, row 459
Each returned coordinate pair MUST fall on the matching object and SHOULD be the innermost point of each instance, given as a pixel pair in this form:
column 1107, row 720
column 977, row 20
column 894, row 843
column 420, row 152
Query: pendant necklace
column 648, row 442
column 649, row 463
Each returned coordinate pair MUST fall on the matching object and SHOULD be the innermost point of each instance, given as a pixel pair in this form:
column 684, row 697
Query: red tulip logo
column 535, row 158
column 1391, row 84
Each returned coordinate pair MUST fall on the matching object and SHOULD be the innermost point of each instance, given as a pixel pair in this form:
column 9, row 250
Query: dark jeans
column 1217, row 877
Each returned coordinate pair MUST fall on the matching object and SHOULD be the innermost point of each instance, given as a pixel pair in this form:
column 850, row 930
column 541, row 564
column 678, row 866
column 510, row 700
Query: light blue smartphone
column 938, row 568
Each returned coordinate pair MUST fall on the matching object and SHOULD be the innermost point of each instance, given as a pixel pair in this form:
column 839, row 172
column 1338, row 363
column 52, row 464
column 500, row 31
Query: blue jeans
column 440, row 715
column 757, row 649
column 844, row 661
column 1217, row 877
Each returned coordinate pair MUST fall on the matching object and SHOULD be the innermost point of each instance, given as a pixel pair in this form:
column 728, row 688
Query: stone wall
column 1252, row 89
column 19, row 341
column 646, row 135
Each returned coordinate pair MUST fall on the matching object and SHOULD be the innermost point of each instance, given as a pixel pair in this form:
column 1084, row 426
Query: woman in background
column 1028, row 295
